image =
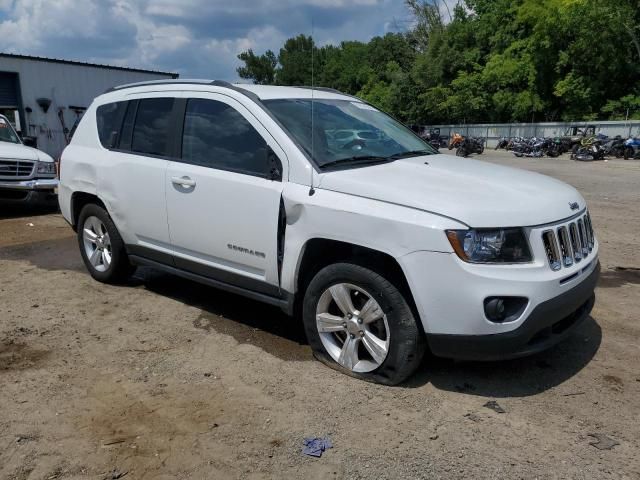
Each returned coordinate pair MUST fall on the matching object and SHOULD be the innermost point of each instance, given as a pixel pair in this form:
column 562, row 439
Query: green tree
column 487, row 60
column 345, row 67
column 627, row 107
column 295, row 61
column 259, row 68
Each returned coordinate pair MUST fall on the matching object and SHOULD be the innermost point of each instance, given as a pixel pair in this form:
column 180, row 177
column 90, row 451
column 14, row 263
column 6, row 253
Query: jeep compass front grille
column 569, row 243
column 16, row 169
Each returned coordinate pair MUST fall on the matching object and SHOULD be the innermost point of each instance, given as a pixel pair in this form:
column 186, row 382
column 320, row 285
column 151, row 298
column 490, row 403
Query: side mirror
column 30, row 141
column 274, row 165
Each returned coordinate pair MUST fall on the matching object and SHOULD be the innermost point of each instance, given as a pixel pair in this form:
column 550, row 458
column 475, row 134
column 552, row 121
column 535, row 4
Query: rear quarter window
column 109, row 119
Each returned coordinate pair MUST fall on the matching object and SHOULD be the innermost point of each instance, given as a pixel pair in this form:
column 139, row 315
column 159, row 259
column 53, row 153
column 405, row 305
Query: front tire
column 101, row 246
column 359, row 323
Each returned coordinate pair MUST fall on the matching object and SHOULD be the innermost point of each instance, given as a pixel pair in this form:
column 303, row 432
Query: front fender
column 392, row 229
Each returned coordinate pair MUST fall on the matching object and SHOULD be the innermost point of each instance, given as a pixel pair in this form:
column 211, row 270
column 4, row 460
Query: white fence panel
column 492, row 132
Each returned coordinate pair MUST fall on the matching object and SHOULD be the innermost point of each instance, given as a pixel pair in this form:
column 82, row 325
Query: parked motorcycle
column 552, row 147
column 503, row 142
column 574, row 135
column 589, row 149
column 534, row 147
column 631, row 148
column 467, row 146
column 614, row 147
column 433, row 137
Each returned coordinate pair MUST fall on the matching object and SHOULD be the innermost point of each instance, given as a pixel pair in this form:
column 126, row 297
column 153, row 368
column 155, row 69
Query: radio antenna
column 313, row 131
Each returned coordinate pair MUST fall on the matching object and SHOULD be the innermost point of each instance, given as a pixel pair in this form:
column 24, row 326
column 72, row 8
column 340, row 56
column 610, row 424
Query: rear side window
column 152, row 129
column 109, row 119
column 217, row 136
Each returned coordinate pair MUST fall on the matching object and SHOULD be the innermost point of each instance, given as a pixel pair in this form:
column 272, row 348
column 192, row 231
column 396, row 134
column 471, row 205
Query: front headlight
column 46, row 168
column 490, row 246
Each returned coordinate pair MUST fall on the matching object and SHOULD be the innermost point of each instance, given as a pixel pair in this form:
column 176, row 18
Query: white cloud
column 193, row 37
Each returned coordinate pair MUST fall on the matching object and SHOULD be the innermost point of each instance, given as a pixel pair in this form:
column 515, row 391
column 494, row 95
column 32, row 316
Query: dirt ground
column 164, row 378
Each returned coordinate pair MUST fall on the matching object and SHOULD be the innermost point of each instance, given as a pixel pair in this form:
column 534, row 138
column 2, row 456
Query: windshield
column 345, row 130
column 7, row 133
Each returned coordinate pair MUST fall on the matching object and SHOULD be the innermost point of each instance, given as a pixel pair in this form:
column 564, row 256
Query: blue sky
column 196, row 38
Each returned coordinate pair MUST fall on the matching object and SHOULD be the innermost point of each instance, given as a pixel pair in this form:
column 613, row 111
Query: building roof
column 85, row 64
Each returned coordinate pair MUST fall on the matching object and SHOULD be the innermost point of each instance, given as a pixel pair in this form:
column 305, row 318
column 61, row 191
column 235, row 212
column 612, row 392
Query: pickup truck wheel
column 359, row 323
column 101, row 246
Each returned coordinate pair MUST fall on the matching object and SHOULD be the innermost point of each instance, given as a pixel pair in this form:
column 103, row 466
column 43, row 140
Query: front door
column 222, row 206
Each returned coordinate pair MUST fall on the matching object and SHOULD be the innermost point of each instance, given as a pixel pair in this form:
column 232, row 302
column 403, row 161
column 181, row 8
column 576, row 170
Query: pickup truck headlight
column 46, row 168
column 507, row 245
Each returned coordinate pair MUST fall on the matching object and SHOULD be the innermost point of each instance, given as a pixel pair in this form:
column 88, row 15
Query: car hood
column 477, row 193
column 22, row 152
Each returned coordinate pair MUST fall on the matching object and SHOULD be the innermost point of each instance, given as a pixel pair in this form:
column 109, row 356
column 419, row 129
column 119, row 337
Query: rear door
column 133, row 177
column 222, row 204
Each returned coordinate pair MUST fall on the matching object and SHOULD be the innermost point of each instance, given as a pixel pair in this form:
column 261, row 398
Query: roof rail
column 217, row 83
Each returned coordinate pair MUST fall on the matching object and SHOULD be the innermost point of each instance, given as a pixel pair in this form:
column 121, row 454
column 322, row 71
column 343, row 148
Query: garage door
column 8, row 89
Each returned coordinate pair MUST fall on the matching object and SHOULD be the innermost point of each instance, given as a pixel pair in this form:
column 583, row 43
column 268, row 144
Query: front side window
column 152, row 129
column 218, row 136
column 7, row 133
column 109, row 119
column 345, row 131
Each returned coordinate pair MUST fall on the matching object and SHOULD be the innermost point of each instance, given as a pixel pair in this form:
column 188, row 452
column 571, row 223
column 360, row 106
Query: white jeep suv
column 382, row 246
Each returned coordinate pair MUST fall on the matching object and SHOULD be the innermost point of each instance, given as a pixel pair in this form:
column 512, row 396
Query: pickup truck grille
column 16, row 169
column 570, row 243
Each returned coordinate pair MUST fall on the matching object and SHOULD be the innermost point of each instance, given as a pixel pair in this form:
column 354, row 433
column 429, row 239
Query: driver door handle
column 183, row 181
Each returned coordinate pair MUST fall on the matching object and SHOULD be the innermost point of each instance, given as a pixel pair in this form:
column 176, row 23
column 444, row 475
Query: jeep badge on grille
column 574, row 205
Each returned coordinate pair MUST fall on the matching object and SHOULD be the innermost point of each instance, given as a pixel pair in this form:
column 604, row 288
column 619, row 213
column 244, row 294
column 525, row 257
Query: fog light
column 494, row 309
column 504, row 309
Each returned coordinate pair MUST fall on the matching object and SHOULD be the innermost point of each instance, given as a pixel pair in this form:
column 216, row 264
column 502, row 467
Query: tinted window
column 217, row 136
column 152, row 130
column 109, row 118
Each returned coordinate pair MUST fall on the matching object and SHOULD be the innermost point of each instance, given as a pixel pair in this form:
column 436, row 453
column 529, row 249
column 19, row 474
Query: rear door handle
column 183, row 181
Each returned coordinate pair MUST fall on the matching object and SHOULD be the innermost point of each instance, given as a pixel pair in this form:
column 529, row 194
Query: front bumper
column 35, row 184
column 548, row 323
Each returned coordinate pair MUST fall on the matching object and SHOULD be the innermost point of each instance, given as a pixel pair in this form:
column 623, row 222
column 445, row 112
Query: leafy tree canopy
column 483, row 61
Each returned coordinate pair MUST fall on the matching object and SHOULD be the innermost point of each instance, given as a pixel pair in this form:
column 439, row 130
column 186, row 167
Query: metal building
column 46, row 97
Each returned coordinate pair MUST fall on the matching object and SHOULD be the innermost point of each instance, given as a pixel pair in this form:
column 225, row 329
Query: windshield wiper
column 368, row 159
column 411, row 153
column 356, row 160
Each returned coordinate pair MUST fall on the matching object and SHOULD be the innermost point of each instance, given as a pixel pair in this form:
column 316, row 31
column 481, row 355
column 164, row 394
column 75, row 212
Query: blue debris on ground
column 315, row 446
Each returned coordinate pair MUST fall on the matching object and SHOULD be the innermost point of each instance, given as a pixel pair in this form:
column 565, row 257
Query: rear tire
column 628, row 153
column 101, row 246
column 350, row 327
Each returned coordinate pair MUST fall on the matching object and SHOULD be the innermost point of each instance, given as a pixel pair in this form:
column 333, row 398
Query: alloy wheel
column 352, row 327
column 97, row 244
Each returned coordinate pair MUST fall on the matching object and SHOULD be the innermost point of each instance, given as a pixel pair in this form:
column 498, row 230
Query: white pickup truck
column 27, row 175
column 319, row 203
